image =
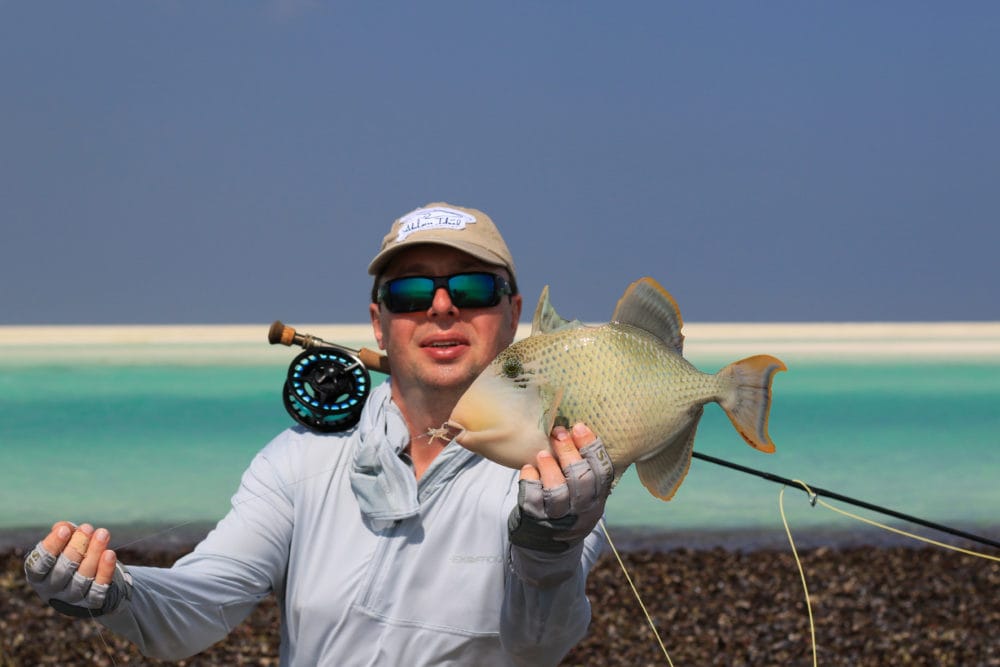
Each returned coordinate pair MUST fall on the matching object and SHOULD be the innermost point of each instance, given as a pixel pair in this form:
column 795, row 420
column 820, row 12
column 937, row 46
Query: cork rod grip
column 374, row 361
column 282, row 334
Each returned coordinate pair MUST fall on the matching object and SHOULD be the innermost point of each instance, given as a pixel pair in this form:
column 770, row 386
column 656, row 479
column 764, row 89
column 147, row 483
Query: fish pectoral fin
column 650, row 307
column 546, row 319
column 552, row 399
column 663, row 473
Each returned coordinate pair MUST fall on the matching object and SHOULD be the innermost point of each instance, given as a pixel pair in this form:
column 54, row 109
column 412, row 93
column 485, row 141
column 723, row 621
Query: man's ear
column 515, row 313
column 373, row 311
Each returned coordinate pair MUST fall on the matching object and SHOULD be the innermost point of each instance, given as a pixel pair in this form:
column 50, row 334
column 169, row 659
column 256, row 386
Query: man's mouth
column 443, row 342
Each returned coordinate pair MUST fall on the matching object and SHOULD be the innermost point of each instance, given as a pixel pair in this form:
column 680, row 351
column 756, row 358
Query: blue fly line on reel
column 326, row 389
column 327, row 384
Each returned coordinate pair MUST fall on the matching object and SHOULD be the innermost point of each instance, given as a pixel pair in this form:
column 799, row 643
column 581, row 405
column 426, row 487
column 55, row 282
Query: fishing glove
column 555, row 520
column 56, row 581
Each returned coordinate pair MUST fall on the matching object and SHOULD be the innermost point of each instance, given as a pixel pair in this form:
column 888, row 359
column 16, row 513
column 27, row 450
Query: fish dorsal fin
column 546, row 318
column 648, row 306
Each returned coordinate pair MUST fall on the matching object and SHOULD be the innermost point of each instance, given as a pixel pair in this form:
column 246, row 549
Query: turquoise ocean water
column 162, row 444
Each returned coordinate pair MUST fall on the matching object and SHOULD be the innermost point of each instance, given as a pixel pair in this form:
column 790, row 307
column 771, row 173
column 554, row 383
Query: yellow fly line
column 813, row 499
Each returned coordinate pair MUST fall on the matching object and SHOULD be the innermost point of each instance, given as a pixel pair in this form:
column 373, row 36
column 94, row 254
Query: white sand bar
column 155, row 344
column 200, row 344
column 931, row 341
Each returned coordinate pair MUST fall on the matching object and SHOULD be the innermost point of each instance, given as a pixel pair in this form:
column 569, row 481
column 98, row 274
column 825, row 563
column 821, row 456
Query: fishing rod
column 816, row 491
column 282, row 334
column 328, row 384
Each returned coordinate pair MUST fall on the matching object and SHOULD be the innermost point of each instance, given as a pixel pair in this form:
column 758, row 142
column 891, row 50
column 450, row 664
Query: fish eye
column 512, row 367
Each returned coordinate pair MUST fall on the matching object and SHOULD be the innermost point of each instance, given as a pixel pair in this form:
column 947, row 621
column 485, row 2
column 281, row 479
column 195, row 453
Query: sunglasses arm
column 283, row 334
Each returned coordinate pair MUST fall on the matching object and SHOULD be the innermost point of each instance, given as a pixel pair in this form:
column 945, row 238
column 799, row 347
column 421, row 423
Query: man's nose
column 441, row 304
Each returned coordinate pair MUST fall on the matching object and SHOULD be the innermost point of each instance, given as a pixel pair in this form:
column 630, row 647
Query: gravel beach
column 884, row 605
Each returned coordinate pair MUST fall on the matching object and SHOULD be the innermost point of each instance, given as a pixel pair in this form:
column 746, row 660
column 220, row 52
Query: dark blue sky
column 237, row 162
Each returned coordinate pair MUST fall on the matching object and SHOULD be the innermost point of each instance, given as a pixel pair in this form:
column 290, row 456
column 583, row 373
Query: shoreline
column 156, row 538
column 247, row 343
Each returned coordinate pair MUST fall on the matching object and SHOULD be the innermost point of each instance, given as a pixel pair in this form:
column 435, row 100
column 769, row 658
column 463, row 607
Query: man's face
column 444, row 347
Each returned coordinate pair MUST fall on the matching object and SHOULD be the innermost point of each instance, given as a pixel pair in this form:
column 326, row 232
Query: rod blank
column 858, row 503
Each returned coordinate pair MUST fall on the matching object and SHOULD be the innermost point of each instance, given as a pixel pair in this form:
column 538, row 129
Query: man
column 384, row 546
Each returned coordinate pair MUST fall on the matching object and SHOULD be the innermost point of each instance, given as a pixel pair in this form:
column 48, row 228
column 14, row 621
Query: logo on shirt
column 466, row 559
column 432, row 218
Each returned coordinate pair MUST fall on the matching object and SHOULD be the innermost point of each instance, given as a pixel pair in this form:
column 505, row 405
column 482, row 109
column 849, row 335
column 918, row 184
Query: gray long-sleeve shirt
column 370, row 566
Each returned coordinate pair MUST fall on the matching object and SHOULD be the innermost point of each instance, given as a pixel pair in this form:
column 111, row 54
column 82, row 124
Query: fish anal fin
column 649, row 306
column 748, row 401
column 663, row 473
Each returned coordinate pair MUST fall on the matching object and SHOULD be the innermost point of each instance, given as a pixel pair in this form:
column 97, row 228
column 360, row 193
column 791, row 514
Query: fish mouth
column 447, row 432
column 452, row 430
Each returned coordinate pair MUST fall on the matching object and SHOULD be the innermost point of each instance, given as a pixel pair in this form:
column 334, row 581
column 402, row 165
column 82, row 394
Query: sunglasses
column 411, row 294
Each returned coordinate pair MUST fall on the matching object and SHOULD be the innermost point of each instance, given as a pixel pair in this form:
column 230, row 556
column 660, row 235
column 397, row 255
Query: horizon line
column 247, row 343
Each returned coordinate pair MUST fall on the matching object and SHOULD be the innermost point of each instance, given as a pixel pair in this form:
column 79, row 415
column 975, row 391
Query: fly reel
column 326, row 389
column 327, row 384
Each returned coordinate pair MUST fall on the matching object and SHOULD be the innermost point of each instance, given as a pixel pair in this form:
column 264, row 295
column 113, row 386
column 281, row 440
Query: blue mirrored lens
column 466, row 290
column 406, row 295
column 472, row 290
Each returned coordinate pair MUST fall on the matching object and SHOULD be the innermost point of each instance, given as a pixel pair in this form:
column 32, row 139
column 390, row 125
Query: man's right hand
column 74, row 571
column 562, row 499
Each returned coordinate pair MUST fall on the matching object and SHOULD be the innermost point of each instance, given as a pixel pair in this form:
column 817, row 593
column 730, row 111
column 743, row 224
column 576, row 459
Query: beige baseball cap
column 466, row 229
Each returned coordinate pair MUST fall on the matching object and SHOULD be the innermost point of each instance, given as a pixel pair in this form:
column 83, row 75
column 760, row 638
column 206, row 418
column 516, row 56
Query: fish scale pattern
column 624, row 383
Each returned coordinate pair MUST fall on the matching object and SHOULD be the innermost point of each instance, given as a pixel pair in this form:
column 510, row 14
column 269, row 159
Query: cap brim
column 381, row 260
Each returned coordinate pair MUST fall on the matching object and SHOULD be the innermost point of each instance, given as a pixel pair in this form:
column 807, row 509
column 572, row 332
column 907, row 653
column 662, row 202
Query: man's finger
column 582, row 435
column 58, row 537
column 106, row 567
column 78, row 543
column 529, row 472
column 98, row 543
column 565, row 450
column 549, row 471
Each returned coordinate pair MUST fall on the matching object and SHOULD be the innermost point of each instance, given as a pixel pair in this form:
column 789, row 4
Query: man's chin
column 455, row 377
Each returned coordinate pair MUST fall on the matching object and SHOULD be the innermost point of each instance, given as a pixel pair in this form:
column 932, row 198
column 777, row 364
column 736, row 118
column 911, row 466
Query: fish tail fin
column 747, row 402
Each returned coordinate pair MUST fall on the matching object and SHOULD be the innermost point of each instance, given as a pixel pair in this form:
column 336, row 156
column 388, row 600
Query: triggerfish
column 627, row 380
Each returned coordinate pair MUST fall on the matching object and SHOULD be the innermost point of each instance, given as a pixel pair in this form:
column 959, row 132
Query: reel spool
column 327, row 385
column 326, row 389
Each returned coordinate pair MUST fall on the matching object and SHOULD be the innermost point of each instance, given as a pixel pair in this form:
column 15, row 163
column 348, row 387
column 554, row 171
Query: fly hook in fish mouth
column 447, row 432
